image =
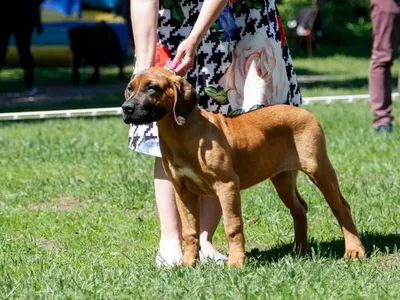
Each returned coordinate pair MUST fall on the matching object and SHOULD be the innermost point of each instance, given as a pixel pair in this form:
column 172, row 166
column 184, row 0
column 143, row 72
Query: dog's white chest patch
column 187, row 172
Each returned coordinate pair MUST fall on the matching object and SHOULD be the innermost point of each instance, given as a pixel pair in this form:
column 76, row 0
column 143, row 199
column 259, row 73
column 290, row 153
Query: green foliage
column 342, row 20
column 218, row 95
column 258, row 4
column 291, row 7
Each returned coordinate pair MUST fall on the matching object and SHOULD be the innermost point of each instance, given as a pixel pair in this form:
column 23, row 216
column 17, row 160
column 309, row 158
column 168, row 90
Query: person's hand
column 184, row 59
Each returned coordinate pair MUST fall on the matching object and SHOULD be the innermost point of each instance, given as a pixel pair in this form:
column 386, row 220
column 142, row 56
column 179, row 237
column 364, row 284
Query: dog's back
column 288, row 136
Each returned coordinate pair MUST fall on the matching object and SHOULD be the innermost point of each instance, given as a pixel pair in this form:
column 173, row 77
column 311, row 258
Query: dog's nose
column 128, row 107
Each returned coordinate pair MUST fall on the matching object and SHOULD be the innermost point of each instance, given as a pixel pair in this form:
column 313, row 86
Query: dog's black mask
column 140, row 109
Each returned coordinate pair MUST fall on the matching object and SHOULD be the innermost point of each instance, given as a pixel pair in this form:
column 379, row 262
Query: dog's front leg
column 189, row 210
column 229, row 196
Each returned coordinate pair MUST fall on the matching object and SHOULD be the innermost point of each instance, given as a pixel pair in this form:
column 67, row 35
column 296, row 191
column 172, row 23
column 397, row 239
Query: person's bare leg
column 171, row 230
column 210, row 214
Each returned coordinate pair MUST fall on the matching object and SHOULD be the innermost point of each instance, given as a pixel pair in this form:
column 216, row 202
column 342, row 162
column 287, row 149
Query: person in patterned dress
column 236, row 56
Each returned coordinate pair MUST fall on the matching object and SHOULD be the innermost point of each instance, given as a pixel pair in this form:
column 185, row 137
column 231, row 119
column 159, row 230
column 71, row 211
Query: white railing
column 345, row 98
column 61, row 113
column 117, row 110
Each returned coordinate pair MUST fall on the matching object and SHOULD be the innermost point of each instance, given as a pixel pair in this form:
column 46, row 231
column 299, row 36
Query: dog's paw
column 189, row 260
column 237, row 261
column 354, row 253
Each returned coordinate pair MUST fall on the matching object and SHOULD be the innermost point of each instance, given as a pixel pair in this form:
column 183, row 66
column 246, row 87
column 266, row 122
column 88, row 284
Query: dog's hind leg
column 285, row 185
column 324, row 177
column 189, row 210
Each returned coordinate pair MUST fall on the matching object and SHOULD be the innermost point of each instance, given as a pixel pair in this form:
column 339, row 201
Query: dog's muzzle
column 138, row 114
column 127, row 111
column 128, row 108
column 132, row 114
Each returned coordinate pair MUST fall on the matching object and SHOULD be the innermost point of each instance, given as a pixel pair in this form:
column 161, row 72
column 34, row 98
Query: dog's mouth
column 140, row 116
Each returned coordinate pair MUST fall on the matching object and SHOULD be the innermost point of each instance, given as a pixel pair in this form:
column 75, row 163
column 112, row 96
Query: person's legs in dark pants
column 386, row 39
column 23, row 38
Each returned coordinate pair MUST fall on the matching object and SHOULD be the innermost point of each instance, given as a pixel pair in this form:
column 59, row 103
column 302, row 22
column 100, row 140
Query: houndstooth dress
column 242, row 64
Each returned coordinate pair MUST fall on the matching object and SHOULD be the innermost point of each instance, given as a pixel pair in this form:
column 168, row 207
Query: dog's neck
column 167, row 126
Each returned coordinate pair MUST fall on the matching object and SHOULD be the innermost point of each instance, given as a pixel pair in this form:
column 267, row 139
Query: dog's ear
column 185, row 101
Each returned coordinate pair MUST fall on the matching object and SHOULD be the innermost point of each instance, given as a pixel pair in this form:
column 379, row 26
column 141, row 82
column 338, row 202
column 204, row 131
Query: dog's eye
column 153, row 88
column 128, row 92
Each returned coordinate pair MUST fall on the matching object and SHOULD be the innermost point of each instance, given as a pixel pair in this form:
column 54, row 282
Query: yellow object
column 45, row 56
column 59, row 55
column 49, row 15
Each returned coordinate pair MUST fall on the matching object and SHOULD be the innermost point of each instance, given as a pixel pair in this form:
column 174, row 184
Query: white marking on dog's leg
column 181, row 172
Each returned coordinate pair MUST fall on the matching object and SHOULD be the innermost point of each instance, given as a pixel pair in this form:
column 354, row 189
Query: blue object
column 102, row 4
column 227, row 21
column 66, row 7
column 70, row 7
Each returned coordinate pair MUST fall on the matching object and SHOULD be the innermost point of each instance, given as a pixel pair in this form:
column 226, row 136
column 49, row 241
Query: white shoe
column 169, row 262
column 214, row 256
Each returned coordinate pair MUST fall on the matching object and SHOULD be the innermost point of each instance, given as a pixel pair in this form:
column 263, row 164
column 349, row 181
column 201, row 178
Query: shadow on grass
column 9, row 123
column 360, row 47
column 308, row 72
column 345, row 83
column 12, row 78
column 107, row 100
column 334, row 249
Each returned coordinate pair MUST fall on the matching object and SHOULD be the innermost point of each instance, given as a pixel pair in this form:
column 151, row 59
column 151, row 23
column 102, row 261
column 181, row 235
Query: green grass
column 342, row 75
column 99, row 101
column 78, row 219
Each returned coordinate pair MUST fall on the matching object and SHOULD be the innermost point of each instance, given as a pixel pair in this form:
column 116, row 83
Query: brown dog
column 207, row 153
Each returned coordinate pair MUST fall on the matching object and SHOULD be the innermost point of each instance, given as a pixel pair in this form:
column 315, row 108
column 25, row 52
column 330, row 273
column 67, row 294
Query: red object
column 281, row 32
column 162, row 55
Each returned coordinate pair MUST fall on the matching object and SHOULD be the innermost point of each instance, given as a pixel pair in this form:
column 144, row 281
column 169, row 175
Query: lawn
column 78, row 219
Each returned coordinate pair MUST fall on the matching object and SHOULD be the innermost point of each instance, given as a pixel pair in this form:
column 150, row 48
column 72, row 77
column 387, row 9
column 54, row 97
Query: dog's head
column 156, row 92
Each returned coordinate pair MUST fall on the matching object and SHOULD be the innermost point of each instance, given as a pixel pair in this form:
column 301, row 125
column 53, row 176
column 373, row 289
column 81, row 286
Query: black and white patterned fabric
column 242, row 64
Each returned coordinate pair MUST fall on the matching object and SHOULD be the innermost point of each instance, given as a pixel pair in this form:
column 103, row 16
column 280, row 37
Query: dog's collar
column 167, row 66
column 169, row 69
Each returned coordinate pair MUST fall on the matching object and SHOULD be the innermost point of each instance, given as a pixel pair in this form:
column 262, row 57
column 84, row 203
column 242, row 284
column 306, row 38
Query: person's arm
column 209, row 13
column 144, row 15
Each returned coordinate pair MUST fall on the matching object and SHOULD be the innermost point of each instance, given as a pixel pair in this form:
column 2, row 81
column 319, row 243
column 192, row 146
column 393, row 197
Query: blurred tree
column 342, row 20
